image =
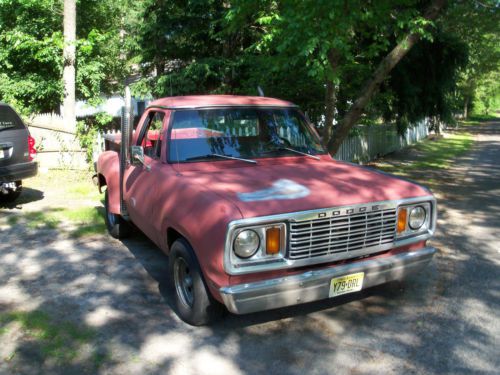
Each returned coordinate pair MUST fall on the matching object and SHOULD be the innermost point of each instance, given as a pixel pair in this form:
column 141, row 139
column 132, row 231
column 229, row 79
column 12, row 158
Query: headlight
column 246, row 243
column 417, row 217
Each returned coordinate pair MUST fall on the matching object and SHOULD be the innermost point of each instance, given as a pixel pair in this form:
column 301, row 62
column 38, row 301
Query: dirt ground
column 74, row 301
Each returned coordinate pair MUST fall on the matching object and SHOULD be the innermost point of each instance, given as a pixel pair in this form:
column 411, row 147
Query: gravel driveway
column 103, row 306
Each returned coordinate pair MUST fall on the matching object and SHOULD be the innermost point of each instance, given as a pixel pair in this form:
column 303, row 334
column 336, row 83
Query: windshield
column 248, row 133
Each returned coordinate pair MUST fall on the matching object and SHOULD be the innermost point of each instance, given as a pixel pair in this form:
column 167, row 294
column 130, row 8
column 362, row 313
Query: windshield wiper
column 222, row 157
column 283, row 148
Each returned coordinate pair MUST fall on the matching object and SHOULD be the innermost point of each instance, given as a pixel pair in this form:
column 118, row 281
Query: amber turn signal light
column 402, row 216
column 273, row 240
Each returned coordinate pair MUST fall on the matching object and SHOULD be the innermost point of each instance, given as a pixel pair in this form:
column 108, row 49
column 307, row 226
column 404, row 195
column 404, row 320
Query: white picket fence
column 370, row 143
column 378, row 140
column 100, row 143
column 57, row 145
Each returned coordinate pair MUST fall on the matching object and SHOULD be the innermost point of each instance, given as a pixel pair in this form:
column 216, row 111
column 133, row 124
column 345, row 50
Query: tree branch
column 369, row 89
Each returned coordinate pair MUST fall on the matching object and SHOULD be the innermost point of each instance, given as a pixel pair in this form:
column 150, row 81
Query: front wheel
column 116, row 225
column 11, row 193
column 193, row 301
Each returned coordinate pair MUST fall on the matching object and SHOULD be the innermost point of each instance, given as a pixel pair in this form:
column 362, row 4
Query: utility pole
column 69, row 58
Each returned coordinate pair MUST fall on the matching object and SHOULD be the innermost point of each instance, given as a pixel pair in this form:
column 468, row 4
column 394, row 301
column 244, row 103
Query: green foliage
column 476, row 24
column 31, row 42
column 290, row 48
column 86, row 131
column 410, row 98
column 30, row 54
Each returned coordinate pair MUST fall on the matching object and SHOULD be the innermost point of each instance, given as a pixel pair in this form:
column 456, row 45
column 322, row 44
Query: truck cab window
column 152, row 135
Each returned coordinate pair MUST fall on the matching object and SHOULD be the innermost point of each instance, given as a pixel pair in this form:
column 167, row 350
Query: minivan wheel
column 193, row 301
column 12, row 194
column 115, row 224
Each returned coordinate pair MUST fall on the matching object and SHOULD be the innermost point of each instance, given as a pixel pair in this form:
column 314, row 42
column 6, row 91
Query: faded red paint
column 200, row 199
column 218, row 100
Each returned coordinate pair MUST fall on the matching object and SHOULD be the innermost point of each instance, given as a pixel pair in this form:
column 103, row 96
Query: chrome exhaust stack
column 126, row 140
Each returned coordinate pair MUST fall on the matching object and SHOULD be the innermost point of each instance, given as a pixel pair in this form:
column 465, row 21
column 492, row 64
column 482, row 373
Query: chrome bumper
column 314, row 285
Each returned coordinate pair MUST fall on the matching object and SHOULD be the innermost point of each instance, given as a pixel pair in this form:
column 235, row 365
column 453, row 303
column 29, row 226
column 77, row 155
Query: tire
column 115, row 224
column 12, row 195
column 193, row 301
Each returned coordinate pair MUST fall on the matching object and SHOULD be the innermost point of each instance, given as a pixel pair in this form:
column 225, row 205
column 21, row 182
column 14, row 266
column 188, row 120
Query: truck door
column 142, row 183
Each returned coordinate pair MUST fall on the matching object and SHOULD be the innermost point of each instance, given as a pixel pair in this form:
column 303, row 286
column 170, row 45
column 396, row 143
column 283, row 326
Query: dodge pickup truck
column 252, row 211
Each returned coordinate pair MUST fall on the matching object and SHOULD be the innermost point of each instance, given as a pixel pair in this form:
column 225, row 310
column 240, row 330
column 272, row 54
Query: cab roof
column 198, row 101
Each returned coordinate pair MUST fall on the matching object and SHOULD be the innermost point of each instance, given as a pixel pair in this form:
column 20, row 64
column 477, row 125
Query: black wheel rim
column 111, row 218
column 183, row 282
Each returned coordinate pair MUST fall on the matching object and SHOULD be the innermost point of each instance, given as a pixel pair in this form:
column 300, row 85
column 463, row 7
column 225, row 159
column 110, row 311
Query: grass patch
column 433, row 154
column 83, row 191
column 86, row 220
column 41, row 219
column 68, row 185
column 440, row 153
column 478, row 120
column 59, row 341
column 89, row 220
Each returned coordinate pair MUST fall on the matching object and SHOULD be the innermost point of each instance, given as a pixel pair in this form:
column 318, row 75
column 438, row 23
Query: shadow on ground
column 120, row 292
column 28, row 195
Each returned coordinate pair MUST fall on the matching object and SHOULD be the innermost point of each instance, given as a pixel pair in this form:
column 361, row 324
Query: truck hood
column 263, row 190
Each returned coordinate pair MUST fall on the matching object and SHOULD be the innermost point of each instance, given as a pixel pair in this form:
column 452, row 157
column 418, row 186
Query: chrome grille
column 341, row 234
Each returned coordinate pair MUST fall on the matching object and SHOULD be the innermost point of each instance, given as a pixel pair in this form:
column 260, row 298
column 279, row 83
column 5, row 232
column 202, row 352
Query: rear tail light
column 31, row 147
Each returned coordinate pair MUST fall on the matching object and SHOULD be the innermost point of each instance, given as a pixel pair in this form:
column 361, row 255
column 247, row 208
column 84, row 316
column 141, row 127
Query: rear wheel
column 12, row 193
column 116, row 225
column 193, row 301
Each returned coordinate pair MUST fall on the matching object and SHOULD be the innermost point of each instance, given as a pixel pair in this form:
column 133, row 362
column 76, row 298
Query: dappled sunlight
column 102, row 315
column 120, row 292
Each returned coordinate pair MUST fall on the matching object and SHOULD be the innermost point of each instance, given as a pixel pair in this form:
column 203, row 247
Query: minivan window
column 9, row 119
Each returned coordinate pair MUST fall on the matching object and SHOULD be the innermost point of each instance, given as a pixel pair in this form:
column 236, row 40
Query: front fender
column 108, row 168
column 201, row 217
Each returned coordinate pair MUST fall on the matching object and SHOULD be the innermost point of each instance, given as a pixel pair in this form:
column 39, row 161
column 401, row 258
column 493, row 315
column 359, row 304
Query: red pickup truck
column 253, row 212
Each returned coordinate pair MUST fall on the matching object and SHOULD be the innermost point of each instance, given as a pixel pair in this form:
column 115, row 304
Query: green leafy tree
column 350, row 46
column 31, row 58
column 476, row 24
column 31, row 54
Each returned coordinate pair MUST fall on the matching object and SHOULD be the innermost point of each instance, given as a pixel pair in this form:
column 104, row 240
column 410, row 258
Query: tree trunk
column 386, row 65
column 330, row 100
column 330, row 96
column 466, row 108
column 69, row 57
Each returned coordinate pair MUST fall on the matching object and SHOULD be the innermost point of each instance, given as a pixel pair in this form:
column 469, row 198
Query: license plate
column 346, row 284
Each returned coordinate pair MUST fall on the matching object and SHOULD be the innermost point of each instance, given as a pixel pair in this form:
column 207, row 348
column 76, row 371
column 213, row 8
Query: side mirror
column 137, row 157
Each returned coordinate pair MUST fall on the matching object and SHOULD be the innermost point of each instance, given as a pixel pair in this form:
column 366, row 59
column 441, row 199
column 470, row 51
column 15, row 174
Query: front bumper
column 314, row 285
column 16, row 172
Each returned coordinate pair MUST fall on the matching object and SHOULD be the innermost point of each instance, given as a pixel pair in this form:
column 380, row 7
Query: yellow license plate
column 346, row 284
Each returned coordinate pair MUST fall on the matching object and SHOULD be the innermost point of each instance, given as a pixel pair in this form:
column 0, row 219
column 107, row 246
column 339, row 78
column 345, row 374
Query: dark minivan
column 17, row 152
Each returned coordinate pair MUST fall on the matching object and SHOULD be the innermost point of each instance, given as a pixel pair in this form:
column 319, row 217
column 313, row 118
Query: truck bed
column 112, row 142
